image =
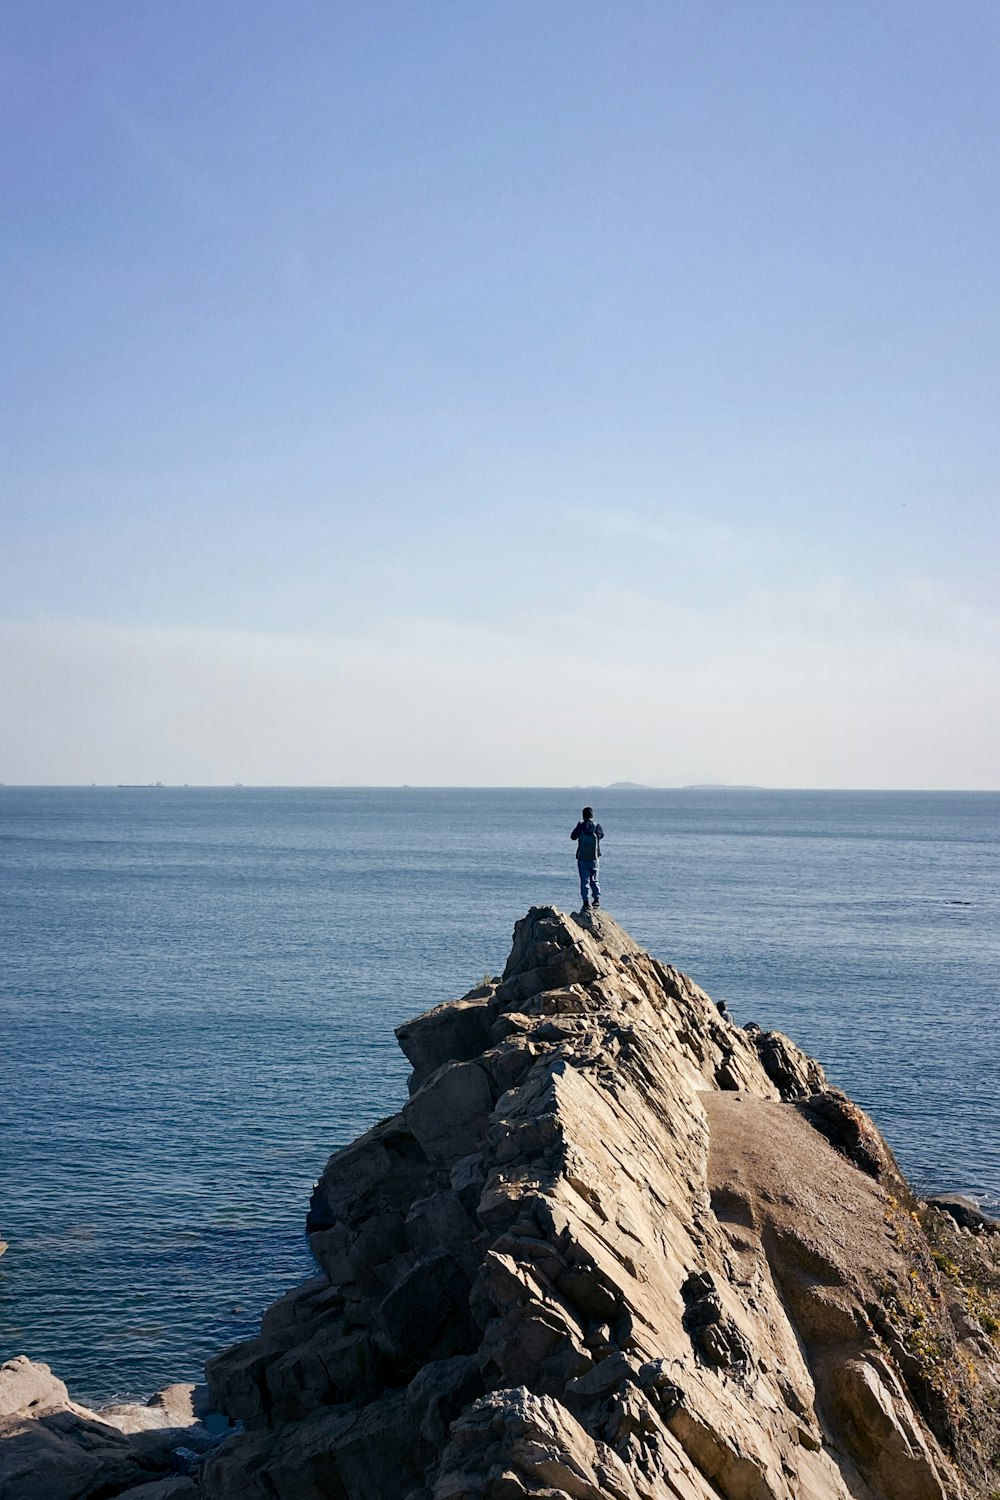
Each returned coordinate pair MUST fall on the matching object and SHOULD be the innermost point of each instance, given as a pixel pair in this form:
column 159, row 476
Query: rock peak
column 611, row 1245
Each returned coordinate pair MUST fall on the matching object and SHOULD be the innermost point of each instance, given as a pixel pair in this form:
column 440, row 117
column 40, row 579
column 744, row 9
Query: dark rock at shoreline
column 51, row 1448
column 966, row 1213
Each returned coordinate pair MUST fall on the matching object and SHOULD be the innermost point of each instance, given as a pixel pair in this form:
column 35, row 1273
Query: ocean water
column 198, row 992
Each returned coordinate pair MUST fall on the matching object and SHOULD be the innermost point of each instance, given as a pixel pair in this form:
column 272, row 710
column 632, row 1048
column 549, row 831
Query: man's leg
column 584, row 869
column 595, row 889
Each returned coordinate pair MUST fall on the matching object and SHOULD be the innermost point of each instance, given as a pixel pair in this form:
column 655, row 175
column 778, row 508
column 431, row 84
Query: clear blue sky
column 499, row 392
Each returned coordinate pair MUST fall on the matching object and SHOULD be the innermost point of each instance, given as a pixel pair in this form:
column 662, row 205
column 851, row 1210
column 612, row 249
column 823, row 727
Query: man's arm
column 576, row 832
column 599, row 831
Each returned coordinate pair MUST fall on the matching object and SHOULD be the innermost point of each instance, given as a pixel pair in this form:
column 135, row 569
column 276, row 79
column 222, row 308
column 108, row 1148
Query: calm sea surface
column 199, row 987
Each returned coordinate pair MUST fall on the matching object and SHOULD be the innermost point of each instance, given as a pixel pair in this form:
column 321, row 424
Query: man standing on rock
column 587, row 835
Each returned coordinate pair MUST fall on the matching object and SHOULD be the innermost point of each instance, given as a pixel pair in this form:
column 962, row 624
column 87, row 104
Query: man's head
column 588, row 812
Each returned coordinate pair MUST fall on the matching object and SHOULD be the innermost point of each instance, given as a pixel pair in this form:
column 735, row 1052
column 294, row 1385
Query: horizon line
column 403, row 786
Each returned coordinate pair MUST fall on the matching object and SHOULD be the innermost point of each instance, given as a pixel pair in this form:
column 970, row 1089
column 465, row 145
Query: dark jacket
column 595, row 831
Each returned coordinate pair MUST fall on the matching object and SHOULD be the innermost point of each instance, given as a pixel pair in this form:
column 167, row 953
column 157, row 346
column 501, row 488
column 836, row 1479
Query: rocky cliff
column 615, row 1246
column 611, row 1246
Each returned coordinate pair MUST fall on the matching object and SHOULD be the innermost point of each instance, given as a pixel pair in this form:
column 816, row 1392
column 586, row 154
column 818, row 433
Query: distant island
column 697, row 786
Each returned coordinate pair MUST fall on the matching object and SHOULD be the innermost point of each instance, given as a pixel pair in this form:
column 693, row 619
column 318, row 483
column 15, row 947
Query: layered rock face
column 612, row 1246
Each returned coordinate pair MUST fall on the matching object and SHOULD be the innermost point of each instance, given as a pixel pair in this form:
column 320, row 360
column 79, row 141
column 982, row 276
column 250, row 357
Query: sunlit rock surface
column 614, row 1245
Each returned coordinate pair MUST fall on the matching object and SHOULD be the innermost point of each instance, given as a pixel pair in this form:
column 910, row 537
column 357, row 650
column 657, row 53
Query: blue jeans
column 589, row 889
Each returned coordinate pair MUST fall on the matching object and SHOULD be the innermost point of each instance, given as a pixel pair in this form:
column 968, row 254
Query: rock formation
column 615, row 1246
column 51, row 1448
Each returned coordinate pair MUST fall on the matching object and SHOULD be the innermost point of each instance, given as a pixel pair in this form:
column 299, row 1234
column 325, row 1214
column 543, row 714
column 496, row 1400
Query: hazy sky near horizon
column 500, row 393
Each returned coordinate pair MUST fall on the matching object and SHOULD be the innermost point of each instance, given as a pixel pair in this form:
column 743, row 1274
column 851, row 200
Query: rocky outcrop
column 51, row 1448
column 612, row 1246
column 966, row 1213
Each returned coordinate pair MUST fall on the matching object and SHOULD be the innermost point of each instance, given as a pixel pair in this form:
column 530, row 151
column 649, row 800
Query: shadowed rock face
column 611, row 1246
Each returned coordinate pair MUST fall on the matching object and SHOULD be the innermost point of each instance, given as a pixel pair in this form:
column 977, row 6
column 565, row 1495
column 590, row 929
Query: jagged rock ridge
column 611, row 1246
